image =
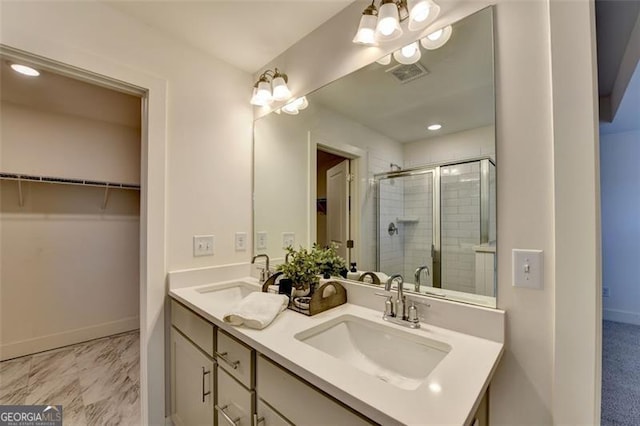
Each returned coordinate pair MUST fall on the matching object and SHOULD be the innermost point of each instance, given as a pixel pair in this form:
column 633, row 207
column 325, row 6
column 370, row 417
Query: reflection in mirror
column 394, row 163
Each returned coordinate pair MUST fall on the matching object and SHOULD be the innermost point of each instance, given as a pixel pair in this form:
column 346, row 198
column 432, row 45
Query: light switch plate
column 528, row 268
column 241, row 241
column 288, row 239
column 261, row 240
column 203, row 245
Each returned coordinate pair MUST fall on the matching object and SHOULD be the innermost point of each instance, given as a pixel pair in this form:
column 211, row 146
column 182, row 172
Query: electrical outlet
column 261, row 241
column 288, row 239
column 203, row 245
column 241, row 241
column 605, row 291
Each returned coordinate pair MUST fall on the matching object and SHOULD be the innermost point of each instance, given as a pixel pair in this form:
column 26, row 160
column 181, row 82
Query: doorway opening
column 333, row 206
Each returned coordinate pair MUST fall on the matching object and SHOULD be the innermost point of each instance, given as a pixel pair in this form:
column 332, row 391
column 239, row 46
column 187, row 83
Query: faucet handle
column 413, row 313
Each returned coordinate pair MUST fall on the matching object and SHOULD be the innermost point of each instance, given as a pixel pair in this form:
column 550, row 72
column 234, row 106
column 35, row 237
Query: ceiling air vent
column 407, row 73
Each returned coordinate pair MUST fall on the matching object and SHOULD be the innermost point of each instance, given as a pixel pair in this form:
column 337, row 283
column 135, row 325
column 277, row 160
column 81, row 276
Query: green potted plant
column 328, row 260
column 301, row 269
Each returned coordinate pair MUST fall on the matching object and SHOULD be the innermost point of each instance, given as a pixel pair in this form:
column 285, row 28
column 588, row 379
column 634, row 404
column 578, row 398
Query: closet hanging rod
column 65, row 181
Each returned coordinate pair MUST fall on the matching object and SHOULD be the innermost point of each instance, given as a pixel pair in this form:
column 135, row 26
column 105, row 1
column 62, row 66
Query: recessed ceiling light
column 23, row 69
column 435, row 127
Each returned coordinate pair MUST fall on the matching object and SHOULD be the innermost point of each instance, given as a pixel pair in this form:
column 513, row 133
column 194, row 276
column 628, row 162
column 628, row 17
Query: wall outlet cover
column 241, row 241
column 261, row 240
column 288, row 239
column 203, row 245
column 528, row 269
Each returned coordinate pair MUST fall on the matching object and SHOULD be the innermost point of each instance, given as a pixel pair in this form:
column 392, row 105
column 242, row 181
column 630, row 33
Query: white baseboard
column 621, row 316
column 57, row 340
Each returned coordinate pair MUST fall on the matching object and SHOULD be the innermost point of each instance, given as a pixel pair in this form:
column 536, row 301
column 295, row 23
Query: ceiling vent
column 407, row 73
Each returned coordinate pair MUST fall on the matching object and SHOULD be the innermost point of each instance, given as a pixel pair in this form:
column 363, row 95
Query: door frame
column 83, row 65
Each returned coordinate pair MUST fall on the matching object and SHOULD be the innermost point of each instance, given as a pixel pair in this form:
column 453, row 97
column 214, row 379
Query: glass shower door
column 405, row 225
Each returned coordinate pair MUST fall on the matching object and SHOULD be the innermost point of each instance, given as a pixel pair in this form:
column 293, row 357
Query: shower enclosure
column 442, row 217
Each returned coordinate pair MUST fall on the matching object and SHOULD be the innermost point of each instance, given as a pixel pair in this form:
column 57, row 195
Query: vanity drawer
column 298, row 401
column 267, row 416
column 236, row 358
column 198, row 330
column 235, row 403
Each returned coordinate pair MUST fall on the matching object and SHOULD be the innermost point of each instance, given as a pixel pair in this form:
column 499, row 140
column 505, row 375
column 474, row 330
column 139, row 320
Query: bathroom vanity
column 344, row 366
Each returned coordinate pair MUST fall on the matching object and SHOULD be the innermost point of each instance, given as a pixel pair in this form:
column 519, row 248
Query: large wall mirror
column 396, row 165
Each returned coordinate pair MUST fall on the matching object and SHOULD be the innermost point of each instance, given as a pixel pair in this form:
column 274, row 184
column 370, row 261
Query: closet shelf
column 66, row 181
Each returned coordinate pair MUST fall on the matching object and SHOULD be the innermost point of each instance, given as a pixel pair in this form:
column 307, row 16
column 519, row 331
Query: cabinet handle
column 204, row 374
column 257, row 420
column 223, row 356
column 226, row 416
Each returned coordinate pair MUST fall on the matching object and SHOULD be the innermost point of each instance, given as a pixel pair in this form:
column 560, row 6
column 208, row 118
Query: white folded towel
column 257, row 310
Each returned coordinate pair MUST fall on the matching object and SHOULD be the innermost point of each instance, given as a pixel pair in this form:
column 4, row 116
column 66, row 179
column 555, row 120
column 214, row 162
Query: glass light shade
column 302, row 103
column 410, row 54
column 421, row 13
column 263, row 93
column 290, row 109
column 280, row 90
column 366, row 30
column 388, row 27
column 437, row 39
column 25, row 70
column 385, row 60
column 255, row 99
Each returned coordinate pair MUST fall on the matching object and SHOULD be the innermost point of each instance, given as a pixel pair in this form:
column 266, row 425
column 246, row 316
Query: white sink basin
column 229, row 293
column 394, row 356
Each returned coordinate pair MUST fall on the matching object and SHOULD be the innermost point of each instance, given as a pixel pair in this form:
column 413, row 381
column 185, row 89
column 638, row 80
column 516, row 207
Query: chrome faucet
column 397, row 313
column 418, row 273
column 400, row 311
column 264, row 273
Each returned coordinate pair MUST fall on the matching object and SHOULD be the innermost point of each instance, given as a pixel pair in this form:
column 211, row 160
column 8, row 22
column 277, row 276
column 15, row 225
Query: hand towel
column 257, row 310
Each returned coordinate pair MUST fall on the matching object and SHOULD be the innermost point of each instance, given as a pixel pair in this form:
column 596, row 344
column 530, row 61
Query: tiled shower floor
column 96, row 382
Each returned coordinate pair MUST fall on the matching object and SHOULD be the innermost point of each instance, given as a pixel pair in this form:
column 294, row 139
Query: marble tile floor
column 97, row 382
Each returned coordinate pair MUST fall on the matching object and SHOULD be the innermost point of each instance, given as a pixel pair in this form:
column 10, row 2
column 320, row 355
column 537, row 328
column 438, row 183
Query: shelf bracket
column 20, row 196
column 105, row 200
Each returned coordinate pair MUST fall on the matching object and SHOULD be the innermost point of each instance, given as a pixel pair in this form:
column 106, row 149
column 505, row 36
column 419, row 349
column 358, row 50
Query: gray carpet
column 620, row 374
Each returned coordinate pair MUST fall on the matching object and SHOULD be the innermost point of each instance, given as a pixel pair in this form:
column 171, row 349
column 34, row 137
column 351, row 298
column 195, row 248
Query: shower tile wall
column 418, row 203
column 391, row 208
column 460, row 186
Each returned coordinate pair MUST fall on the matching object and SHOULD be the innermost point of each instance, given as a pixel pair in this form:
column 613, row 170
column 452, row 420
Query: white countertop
column 460, row 379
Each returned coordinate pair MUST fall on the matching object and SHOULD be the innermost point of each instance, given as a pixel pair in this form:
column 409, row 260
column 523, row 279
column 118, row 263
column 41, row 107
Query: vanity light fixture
column 385, row 60
column 25, row 70
column 271, row 85
column 383, row 24
column 434, row 127
column 294, row 107
column 437, row 39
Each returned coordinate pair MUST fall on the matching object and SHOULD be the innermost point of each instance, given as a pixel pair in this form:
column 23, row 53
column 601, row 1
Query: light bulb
column 434, row 127
column 421, row 13
column 409, row 54
column 388, row 27
column 435, row 35
column 437, row 38
column 25, row 70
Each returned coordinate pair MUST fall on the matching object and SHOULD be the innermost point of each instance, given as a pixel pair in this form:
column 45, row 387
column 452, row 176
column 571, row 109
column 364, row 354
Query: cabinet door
column 191, row 383
column 267, row 416
column 235, row 402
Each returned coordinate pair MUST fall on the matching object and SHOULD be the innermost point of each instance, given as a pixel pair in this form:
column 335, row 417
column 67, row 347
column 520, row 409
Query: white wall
column 199, row 104
column 452, row 147
column 620, row 183
column 522, row 391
